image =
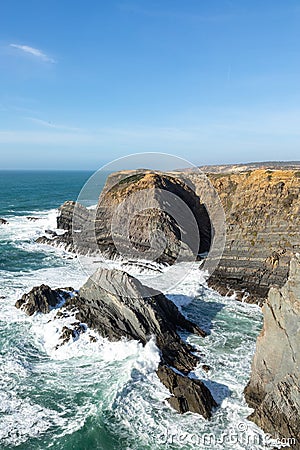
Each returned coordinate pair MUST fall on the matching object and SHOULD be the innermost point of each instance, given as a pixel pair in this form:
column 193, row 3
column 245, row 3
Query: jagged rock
column 274, row 387
column 65, row 216
column 41, row 299
column 138, row 216
column 3, row 221
column 32, row 218
column 188, row 394
column 73, row 332
column 118, row 306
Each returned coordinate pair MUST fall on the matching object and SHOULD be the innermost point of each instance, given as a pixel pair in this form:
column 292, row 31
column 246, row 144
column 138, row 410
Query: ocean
column 102, row 395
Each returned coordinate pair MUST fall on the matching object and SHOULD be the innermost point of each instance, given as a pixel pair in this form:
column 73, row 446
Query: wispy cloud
column 34, row 52
column 50, row 124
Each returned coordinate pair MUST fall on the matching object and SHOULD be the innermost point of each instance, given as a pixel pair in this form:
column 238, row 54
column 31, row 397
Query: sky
column 85, row 82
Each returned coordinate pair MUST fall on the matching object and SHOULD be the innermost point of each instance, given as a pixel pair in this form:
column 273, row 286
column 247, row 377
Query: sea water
column 103, row 395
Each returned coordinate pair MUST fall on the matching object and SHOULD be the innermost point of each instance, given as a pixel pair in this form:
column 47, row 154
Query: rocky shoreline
column 263, row 221
column 182, row 232
column 262, row 211
column 117, row 306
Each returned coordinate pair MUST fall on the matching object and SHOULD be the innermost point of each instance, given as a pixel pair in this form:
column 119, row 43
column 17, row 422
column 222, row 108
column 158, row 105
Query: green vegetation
column 131, row 179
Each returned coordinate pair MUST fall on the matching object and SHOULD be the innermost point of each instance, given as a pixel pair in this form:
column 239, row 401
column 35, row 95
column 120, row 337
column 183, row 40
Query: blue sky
column 82, row 83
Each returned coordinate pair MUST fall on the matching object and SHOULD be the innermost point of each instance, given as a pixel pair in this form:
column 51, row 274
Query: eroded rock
column 117, row 306
column 140, row 216
column 188, row 394
column 274, row 387
column 41, row 299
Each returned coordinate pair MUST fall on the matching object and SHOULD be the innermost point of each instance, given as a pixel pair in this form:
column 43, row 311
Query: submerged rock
column 32, row 218
column 274, row 387
column 189, row 394
column 3, row 221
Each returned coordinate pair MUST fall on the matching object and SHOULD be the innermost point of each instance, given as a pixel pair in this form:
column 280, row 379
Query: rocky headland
column 118, row 306
column 274, row 388
column 146, row 215
column 262, row 209
column 262, row 212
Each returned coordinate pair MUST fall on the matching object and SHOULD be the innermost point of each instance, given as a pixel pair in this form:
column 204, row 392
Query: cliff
column 274, row 388
column 140, row 215
column 262, row 210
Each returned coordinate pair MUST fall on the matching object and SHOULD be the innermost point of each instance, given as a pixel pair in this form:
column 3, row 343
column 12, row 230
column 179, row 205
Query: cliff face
column 262, row 209
column 142, row 215
column 147, row 213
column 274, row 387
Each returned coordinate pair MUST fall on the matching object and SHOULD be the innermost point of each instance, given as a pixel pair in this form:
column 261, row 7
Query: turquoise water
column 104, row 395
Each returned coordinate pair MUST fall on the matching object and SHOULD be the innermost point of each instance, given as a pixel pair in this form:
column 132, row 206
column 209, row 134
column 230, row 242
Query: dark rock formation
column 274, row 388
column 32, row 218
column 189, row 394
column 65, row 216
column 139, row 215
column 41, row 299
column 3, row 221
column 117, row 306
column 262, row 209
column 74, row 332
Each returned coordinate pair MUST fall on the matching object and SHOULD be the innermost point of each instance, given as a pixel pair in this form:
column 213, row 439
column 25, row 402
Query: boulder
column 274, row 387
column 117, row 306
column 41, row 299
column 188, row 394
column 3, row 221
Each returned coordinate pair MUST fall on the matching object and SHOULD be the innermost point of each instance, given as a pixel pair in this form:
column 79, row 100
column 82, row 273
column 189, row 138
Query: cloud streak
column 50, row 124
column 34, row 52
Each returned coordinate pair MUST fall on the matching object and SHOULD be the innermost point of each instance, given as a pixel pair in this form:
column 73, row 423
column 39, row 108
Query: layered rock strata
column 144, row 215
column 262, row 209
column 274, row 387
